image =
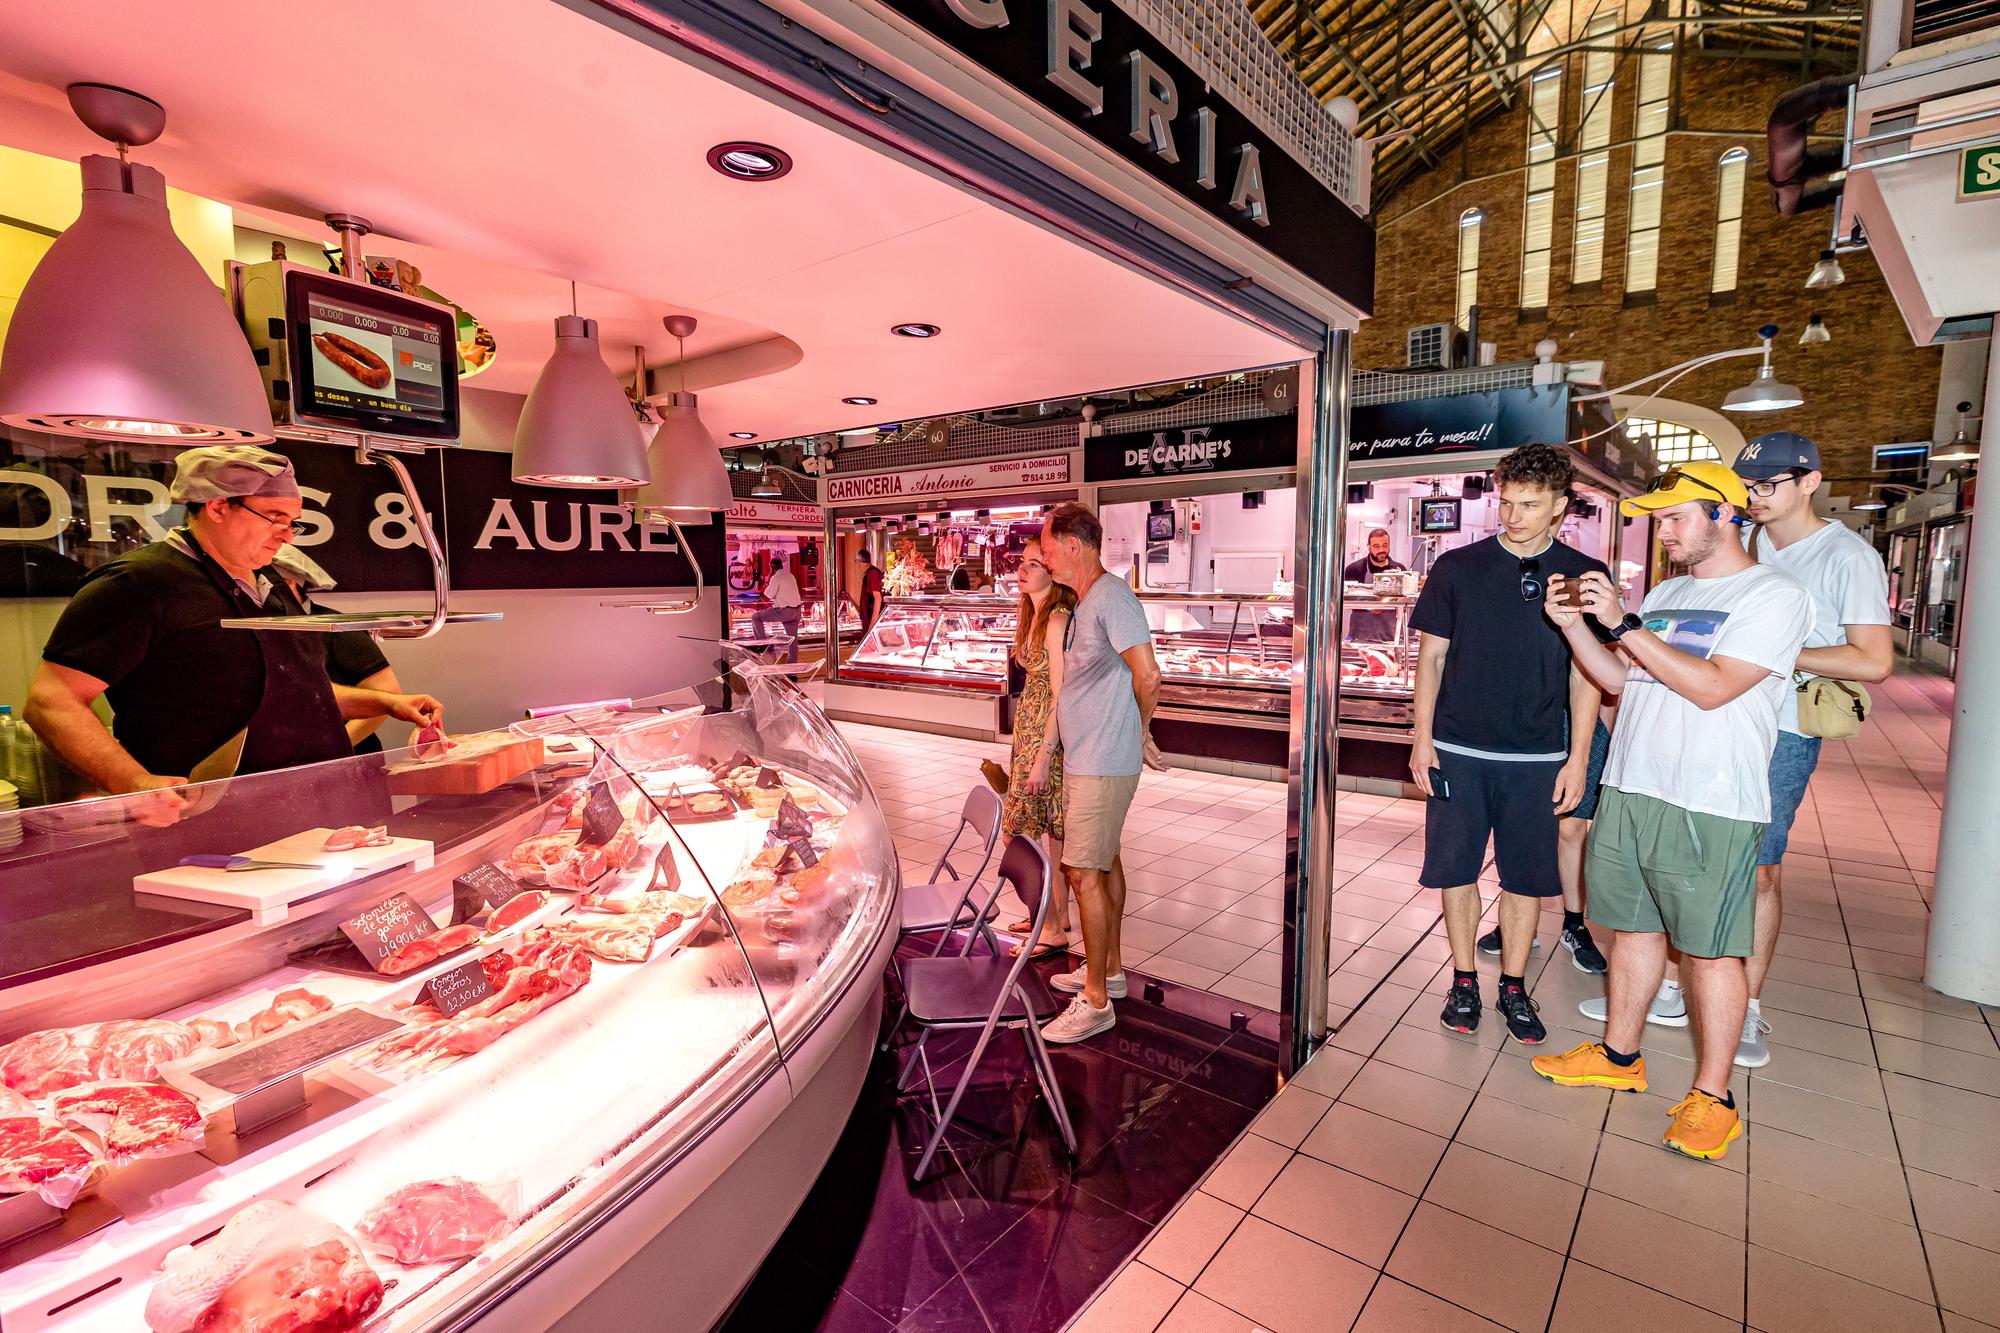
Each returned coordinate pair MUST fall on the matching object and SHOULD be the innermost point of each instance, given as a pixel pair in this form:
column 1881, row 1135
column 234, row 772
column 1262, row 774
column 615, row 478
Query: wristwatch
column 1625, row 626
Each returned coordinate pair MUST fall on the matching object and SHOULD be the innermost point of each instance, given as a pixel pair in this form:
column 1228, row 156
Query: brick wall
column 1868, row 386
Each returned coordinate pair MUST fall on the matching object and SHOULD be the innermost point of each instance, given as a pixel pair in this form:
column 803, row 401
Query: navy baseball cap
column 1775, row 453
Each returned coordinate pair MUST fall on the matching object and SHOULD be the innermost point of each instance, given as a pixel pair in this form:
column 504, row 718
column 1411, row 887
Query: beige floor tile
column 1284, row 1282
column 1433, row 1054
column 1246, row 1170
column 1939, row 1064
column 1135, row 1301
column 1968, row 1278
column 1362, row 1033
column 1291, row 1115
column 1825, row 1119
column 1971, row 1035
column 1819, row 1231
column 1707, row 1194
column 1507, row 1196
column 1328, row 1072
column 1337, row 1209
column 1958, row 1323
column 1801, row 1032
column 1823, row 975
column 1396, row 1307
column 1239, row 987
column 1374, row 1146
column 1415, row 1099
column 1547, row 1143
column 1825, row 1075
column 1592, row 1301
column 1787, row 1296
column 1190, row 1236
column 1947, row 1207
column 1973, row 1158
column 1505, row 1278
column 1872, row 1184
column 1954, row 1108
column 1665, row 1253
column 1195, row 1313
column 1904, row 991
column 1517, row 1082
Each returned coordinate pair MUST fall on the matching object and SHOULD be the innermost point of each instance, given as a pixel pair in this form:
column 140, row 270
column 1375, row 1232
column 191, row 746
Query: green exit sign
column 1979, row 172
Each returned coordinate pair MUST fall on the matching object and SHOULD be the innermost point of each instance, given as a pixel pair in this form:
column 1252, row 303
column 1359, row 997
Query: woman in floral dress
column 1034, row 801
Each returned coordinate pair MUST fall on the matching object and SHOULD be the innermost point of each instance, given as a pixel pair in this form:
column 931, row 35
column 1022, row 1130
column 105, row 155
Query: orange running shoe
column 1703, row 1127
column 1587, row 1066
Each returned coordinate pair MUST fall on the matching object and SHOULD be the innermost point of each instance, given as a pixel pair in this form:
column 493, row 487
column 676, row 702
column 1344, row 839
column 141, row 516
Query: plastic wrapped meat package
column 433, row 1221
column 38, row 1155
column 274, row 1268
column 46, row 1062
column 132, row 1121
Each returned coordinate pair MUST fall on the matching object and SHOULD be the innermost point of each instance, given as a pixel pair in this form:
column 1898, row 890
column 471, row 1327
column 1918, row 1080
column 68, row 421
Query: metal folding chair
column 987, row 993
column 946, row 902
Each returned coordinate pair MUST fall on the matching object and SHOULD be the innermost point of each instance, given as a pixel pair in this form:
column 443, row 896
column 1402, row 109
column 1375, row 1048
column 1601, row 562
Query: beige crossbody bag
column 1829, row 708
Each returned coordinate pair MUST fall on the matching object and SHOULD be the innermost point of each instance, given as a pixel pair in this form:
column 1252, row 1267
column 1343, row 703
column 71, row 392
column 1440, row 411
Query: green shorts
column 1654, row 868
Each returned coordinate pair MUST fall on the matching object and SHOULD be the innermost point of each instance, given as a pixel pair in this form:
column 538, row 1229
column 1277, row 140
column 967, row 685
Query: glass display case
column 502, row 991
column 812, row 624
column 957, row 642
column 1230, row 652
column 1378, row 663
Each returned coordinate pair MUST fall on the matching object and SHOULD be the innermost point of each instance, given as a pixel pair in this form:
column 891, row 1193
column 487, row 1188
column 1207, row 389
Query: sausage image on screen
column 364, row 365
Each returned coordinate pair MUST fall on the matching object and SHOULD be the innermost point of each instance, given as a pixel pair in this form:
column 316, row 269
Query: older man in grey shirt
column 1110, row 684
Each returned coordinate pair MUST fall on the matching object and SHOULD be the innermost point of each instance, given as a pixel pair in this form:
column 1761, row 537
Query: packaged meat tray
column 131, row 1121
column 275, row 1266
column 433, row 1221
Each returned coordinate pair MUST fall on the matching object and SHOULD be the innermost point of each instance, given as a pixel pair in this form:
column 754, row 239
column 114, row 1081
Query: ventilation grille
column 1936, row 20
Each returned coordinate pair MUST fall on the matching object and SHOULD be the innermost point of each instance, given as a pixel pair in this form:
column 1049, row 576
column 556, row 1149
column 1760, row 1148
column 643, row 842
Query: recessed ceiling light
column 915, row 330
column 742, row 434
column 749, row 161
column 859, row 401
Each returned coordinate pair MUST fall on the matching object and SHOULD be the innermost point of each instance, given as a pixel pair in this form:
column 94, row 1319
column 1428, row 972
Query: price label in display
column 802, row 849
column 601, row 817
column 480, row 888
column 768, row 778
column 387, row 927
column 460, row 988
column 792, row 822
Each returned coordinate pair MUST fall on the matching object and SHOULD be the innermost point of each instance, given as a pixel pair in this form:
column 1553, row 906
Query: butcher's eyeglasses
column 291, row 525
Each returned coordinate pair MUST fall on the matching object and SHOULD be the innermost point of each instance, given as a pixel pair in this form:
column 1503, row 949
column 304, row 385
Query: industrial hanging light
column 1826, row 273
column 689, row 481
column 118, row 334
column 767, row 487
column 1766, row 393
column 577, row 428
column 1816, row 331
column 1961, row 448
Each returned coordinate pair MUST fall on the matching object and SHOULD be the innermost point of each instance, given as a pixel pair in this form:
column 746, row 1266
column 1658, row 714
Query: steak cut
column 40, row 1155
column 132, row 1120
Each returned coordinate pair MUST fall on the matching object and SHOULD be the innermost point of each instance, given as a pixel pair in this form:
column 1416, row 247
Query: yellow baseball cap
column 1688, row 481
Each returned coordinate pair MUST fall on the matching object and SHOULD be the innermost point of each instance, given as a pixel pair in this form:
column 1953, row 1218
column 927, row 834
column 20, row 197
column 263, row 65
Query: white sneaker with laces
column 1071, row 983
column 1668, row 1009
column 1080, row 1022
column 1752, row 1053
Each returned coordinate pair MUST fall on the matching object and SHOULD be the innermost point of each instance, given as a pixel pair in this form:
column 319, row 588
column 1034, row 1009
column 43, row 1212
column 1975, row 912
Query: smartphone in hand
column 1440, row 788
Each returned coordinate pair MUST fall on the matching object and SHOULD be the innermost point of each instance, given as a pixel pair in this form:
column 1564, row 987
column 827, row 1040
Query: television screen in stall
column 1160, row 527
column 371, row 360
column 1438, row 514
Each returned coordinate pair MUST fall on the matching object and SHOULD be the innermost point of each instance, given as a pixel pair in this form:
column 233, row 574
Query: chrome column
column 1322, row 505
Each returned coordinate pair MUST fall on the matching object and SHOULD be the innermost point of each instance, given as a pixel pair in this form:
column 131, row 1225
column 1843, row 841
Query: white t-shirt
column 1848, row 583
column 1712, row 761
column 783, row 589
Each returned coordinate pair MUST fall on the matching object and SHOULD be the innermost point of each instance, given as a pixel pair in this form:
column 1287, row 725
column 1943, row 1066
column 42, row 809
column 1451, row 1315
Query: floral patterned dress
column 1040, row 814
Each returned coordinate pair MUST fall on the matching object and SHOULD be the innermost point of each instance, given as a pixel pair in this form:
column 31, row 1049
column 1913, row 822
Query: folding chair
column 946, row 902
column 987, row 993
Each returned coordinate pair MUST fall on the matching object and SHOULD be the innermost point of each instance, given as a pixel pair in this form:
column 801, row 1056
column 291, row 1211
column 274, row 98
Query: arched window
column 1728, row 218
column 1593, row 161
column 1468, row 262
column 1538, row 228
column 1672, row 442
column 1649, row 164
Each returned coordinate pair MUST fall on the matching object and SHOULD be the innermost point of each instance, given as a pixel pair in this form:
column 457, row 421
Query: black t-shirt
column 148, row 625
column 1361, row 571
column 1506, row 677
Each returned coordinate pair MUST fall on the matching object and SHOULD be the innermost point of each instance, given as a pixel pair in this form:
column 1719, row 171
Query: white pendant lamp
column 689, row 484
column 766, row 486
column 119, row 334
column 1766, row 393
column 577, row 428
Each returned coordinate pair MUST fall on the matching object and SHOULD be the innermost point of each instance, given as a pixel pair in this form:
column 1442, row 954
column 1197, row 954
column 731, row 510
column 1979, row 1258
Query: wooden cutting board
column 473, row 768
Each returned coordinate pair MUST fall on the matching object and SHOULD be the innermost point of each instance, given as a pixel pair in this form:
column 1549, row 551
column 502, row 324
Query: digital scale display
column 370, row 359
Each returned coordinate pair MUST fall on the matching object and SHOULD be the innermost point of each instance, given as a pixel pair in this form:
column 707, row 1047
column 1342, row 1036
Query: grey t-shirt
column 1098, row 714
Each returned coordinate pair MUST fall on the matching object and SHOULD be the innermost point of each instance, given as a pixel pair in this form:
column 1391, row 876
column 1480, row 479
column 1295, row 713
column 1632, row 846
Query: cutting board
column 268, row 894
column 474, row 767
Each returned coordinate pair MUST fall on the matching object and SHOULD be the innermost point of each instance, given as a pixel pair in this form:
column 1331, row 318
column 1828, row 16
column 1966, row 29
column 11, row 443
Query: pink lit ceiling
column 512, row 145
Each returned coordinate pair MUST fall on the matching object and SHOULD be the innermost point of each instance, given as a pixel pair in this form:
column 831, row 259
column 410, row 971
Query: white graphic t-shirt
column 1848, row 583
column 1712, row 761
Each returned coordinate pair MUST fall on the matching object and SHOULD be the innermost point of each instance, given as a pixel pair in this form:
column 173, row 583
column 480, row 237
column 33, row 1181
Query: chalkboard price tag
column 802, row 848
column 792, row 823
column 387, row 927
column 601, row 817
column 768, row 778
column 493, row 885
column 460, row 988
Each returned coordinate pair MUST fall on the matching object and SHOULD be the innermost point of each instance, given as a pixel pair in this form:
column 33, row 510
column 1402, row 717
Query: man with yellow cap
column 1702, row 670
column 145, row 631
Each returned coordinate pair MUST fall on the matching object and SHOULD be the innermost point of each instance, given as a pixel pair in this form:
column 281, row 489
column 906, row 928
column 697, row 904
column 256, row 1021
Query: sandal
column 1026, row 924
column 1045, row 949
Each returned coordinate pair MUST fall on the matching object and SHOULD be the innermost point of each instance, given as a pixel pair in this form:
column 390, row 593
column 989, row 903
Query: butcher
column 189, row 698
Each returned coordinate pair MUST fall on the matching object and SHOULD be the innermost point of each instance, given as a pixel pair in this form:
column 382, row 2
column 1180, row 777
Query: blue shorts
column 1506, row 800
column 1792, row 764
column 1600, row 750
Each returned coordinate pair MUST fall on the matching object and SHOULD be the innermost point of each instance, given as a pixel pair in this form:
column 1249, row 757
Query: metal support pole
column 1316, row 611
column 1964, row 950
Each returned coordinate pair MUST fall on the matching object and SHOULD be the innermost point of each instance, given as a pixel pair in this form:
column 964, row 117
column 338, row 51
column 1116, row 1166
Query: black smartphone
column 1440, row 788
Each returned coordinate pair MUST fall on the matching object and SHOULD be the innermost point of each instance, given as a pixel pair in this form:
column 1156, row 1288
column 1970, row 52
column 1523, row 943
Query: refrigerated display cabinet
column 958, row 643
column 677, row 1026
column 1378, row 664
column 1222, row 652
column 812, row 625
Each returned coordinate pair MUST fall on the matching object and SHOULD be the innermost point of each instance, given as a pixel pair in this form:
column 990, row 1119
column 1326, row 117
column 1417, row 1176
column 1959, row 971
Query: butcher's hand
column 420, row 709
column 1570, row 783
column 1563, row 616
column 1423, row 758
column 1154, row 759
column 1600, row 599
column 153, row 800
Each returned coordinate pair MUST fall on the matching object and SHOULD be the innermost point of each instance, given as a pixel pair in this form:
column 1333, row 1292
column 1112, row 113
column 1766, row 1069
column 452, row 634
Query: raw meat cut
column 435, row 1220
column 38, row 1154
column 132, row 1120
column 555, row 859
column 275, row 1268
column 213, row 1032
column 354, row 836
column 289, row 1007
column 630, row 940
column 419, row 952
column 516, row 910
column 127, row 1048
column 537, row 973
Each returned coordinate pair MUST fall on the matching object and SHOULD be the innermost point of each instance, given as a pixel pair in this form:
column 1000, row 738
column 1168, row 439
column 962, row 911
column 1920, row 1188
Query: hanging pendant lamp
column 118, row 333
column 689, row 482
column 577, row 429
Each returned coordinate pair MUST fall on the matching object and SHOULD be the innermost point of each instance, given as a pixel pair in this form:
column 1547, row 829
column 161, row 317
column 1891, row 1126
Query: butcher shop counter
column 571, row 1060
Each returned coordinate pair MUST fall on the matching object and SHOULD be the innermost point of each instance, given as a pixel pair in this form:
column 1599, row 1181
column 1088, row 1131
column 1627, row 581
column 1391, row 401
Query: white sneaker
column 1752, row 1053
column 1080, row 1022
column 1071, row 983
column 1668, row 1009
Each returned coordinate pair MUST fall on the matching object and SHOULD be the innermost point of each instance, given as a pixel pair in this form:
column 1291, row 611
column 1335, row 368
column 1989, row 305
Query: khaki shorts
column 1654, row 868
column 1094, row 818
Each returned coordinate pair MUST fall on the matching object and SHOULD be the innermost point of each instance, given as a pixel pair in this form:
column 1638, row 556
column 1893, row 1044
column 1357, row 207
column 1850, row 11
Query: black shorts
column 1600, row 750
column 1510, row 800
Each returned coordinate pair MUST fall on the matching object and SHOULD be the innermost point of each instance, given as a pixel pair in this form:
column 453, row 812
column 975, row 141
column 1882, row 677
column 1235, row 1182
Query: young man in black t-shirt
column 1503, row 728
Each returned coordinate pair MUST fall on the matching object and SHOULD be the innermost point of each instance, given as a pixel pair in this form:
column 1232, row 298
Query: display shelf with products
column 1223, row 651
column 812, row 624
column 1378, row 664
column 958, row 642
column 610, row 976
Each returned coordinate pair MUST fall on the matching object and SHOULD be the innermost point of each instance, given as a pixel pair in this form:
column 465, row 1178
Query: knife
column 220, row 861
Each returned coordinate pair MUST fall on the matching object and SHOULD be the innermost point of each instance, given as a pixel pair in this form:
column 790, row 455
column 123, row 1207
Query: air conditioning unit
column 1434, row 347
